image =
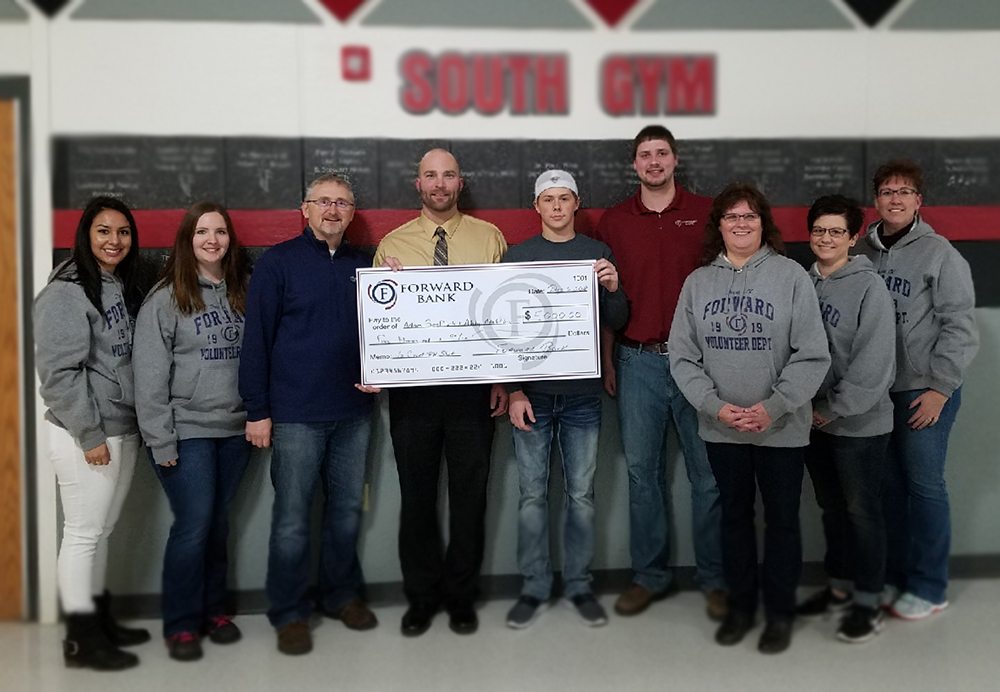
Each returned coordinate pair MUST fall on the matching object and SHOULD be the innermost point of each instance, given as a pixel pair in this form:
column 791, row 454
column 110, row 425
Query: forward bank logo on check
column 384, row 293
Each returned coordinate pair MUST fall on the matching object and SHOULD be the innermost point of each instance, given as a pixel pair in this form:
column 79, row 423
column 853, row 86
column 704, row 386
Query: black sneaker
column 184, row 646
column 823, row 603
column 524, row 612
column 861, row 624
column 222, row 630
column 590, row 611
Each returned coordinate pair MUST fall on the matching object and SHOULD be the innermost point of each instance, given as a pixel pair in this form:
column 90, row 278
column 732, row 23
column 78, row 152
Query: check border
column 401, row 342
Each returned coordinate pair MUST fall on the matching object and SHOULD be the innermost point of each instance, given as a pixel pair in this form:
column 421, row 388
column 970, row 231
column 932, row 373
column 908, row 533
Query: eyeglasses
column 903, row 192
column 819, row 232
column 751, row 217
column 325, row 203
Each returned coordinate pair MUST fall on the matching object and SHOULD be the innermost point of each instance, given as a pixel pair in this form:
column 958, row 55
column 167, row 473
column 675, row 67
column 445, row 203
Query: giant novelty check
column 478, row 323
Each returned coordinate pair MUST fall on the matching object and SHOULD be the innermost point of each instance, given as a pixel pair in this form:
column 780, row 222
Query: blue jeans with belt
column 574, row 421
column 648, row 402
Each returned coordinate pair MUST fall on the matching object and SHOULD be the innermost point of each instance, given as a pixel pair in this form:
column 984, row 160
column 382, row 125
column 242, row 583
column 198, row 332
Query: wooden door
column 11, row 481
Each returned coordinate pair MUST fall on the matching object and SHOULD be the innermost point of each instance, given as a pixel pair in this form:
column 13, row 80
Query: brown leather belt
column 659, row 348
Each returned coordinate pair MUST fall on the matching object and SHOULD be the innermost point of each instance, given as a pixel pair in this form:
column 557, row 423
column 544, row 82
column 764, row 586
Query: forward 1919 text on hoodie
column 84, row 360
column 187, row 370
column 750, row 335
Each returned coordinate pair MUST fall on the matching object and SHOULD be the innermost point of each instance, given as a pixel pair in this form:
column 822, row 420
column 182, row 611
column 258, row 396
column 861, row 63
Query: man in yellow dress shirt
column 456, row 419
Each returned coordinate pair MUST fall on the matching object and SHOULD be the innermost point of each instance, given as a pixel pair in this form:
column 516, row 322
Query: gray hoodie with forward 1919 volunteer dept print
column 931, row 286
column 858, row 317
column 187, row 370
column 750, row 335
column 84, row 359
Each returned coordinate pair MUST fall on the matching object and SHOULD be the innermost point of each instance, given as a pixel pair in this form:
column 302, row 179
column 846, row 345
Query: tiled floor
column 668, row 648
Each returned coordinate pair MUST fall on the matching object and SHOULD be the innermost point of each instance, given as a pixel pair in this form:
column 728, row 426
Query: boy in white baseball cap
column 567, row 409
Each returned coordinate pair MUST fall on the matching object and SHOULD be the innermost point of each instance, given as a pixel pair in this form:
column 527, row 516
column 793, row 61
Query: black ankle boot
column 87, row 646
column 118, row 635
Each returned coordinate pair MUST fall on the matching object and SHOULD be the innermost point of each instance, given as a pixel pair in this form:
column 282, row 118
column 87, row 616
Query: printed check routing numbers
column 478, row 323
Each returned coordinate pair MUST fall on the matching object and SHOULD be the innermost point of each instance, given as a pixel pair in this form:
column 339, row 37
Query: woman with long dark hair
column 187, row 349
column 748, row 350
column 83, row 322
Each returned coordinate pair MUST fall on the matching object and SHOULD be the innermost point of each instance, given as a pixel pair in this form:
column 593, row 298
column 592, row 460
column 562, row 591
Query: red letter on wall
column 550, row 84
column 691, row 86
column 453, row 84
column 617, row 87
column 488, row 84
column 417, row 94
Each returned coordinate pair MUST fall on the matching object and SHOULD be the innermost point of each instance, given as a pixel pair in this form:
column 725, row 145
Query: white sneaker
column 888, row 596
column 912, row 607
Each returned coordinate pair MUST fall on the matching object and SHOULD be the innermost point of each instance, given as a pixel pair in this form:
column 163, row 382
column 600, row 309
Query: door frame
column 18, row 90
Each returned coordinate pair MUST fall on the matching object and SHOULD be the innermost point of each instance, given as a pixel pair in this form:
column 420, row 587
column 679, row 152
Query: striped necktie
column 441, row 248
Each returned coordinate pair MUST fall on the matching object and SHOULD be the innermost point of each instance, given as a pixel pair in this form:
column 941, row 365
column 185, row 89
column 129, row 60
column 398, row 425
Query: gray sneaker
column 589, row 610
column 524, row 612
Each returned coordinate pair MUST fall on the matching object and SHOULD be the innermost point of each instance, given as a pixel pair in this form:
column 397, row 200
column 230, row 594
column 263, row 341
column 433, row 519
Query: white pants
column 92, row 498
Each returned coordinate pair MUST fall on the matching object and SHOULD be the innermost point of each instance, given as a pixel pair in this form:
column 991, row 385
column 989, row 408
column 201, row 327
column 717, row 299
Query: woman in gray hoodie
column 852, row 419
column 187, row 349
column 748, row 351
column 936, row 339
column 83, row 324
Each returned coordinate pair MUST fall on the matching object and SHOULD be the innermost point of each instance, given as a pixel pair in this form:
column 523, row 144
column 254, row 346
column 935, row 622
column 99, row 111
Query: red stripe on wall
column 265, row 227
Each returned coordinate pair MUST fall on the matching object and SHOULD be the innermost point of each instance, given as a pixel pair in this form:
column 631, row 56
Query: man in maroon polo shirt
column 656, row 236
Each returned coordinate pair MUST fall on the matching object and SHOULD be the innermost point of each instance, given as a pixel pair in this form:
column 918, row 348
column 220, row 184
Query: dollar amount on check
column 478, row 323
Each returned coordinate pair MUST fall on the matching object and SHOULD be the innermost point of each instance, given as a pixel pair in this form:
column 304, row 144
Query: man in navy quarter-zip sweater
column 298, row 367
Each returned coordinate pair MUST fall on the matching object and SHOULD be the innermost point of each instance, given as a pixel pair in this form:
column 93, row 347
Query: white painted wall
column 182, row 78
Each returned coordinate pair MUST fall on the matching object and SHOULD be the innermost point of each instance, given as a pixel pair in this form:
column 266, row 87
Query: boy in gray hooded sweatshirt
column 936, row 339
column 748, row 351
column 852, row 419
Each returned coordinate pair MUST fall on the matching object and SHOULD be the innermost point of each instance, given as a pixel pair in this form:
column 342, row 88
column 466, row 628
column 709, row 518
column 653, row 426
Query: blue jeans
column 303, row 456
column 648, row 400
column 742, row 469
column 575, row 422
column 847, row 474
column 200, row 488
column 918, row 516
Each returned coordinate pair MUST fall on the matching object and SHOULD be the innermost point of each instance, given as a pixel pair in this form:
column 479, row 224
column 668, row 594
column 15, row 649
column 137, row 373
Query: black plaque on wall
column 571, row 156
column 701, row 166
column 492, row 173
column 89, row 166
column 612, row 178
column 397, row 170
column 967, row 172
column 355, row 158
column 828, row 167
column 179, row 171
column 768, row 164
column 263, row 173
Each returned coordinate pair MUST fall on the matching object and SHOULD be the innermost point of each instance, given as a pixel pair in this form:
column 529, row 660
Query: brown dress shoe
column 635, row 599
column 294, row 639
column 716, row 605
column 356, row 615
